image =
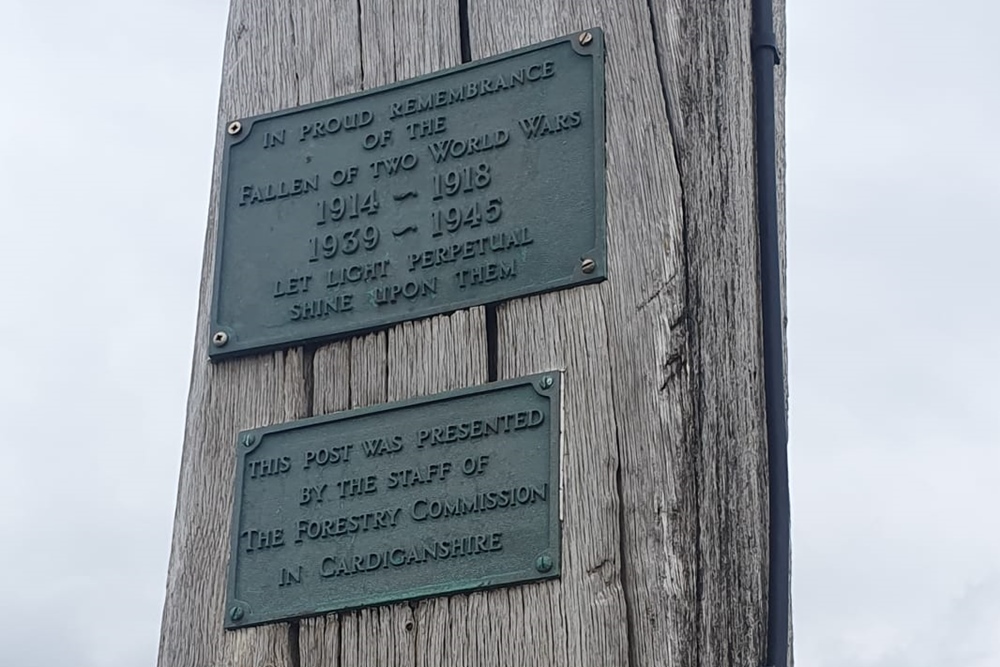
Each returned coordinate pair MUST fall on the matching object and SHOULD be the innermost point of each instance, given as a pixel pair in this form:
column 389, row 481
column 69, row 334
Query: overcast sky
column 107, row 122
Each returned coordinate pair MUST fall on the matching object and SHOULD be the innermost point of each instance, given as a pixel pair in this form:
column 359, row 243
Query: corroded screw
column 236, row 613
column 585, row 38
column 220, row 338
column 249, row 439
column 546, row 382
column 234, row 127
column 543, row 564
column 588, row 265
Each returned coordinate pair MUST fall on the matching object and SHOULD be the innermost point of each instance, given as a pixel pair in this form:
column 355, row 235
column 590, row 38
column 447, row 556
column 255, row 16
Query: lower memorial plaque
column 430, row 496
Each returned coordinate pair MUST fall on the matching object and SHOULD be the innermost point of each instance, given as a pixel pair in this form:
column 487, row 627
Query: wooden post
column 665, row 528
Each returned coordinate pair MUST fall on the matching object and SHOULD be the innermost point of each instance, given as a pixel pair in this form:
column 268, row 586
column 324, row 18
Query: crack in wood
column 631, row 648
column 294, row 654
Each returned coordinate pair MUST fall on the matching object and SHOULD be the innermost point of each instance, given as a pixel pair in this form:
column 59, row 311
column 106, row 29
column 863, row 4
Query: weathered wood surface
column 665, row 518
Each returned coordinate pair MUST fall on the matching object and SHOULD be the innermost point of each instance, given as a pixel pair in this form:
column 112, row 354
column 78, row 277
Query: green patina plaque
column 430, row 496
column 468, row 186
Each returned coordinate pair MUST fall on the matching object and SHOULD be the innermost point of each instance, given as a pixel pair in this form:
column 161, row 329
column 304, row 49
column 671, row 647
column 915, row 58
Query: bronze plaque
column 430, row 496
column 468, row 186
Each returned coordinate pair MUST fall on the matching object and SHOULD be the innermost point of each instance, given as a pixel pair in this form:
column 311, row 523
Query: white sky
column 108, row 112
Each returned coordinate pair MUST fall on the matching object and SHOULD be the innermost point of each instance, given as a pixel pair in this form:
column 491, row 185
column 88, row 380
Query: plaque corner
column 237, row 614
column 247, row 441
column 588, row 42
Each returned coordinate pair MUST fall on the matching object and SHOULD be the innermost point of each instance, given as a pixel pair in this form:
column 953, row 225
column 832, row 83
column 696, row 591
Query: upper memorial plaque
column 468, row 186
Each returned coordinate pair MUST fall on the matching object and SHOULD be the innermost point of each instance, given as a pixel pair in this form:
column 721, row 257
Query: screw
column 588, row 265
column 543, row 564
column 585, row 38
column 249, row 439
column 546, row 382
column 220, row 338
column 234, row 127
column 236, row 613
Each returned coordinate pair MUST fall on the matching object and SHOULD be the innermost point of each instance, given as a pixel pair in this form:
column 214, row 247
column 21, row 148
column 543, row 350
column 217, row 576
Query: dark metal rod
column 765, row 58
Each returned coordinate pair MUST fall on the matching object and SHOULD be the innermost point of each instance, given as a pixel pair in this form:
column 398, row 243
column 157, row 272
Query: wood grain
column 707, row 61
column 631, row 466
column 664, row 460
column 258, row 76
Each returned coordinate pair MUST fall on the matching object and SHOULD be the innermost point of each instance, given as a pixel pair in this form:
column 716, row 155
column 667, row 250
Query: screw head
column 588, row 265
column 234, row 127
column 249, row 439
column 220, row 338
column 546, row 382
column 236, row 613
column 585, row 38
column 543, row 563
